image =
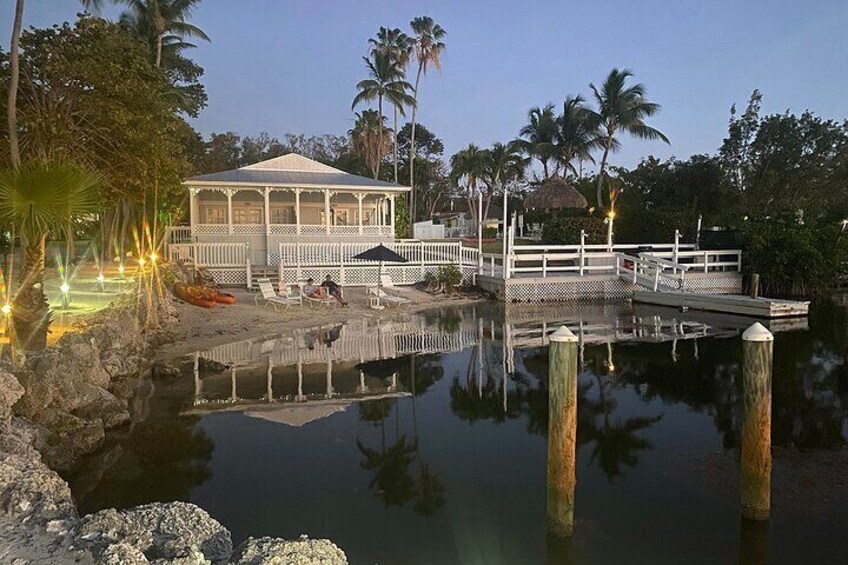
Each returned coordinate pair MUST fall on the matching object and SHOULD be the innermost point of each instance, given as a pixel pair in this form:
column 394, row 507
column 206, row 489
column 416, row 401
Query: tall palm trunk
column 379, row 136
column 412, row 199
column 14, row 71
column 601, row 172
column 395, row 145
column 30, row 310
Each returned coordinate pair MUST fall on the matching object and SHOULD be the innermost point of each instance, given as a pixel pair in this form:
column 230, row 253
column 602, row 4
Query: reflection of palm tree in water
column 393, row 477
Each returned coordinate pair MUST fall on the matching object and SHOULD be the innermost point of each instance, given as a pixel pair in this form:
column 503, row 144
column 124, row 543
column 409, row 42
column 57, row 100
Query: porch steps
column 262, row 272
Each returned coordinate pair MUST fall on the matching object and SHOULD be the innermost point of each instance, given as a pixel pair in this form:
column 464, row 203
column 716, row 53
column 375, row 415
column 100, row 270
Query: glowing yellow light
column 611, row 215
column 121, row 269
column 6, row 309
column 64, row 288
column 100, row 278
column 153, row 257
column 141, row 262
column 611, row 367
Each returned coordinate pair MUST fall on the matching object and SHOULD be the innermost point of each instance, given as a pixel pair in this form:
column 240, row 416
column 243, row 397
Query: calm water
column 431, row 446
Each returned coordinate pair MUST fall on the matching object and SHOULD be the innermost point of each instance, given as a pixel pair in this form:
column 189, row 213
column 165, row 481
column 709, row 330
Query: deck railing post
column 676, row 248
column 706, row 261
column 544, row 265
column 582, row 251
column 248, row 273
column 298, row 272
column 656, row 277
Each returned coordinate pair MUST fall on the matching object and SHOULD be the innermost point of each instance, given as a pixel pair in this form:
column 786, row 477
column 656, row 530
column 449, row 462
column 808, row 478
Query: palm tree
column 39, row 199
column 397, row 45
column 538, row 137
column 621, row 108
column 576, row 134
column 428, row 48
column 467, row 171
column 503, row 166
column 368, row 137
column 163, row 23
column 388, row 81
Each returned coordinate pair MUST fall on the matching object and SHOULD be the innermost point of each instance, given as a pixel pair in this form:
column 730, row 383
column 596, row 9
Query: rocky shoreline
column 56, row 408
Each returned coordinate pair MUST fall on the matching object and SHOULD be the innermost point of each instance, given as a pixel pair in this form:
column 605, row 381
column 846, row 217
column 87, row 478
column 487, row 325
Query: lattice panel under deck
column 562, row 291
column 728, row 283
column 229, row 277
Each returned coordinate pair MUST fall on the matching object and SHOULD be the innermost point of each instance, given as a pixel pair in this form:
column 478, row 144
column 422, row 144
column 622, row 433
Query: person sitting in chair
column 317, row 292
column 334, row 289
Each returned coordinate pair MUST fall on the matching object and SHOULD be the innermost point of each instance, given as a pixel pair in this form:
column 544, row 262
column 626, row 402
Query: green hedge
column 566, row 230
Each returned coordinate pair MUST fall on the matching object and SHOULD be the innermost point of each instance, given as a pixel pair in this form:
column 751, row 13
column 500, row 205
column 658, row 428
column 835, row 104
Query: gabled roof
column 292, row 171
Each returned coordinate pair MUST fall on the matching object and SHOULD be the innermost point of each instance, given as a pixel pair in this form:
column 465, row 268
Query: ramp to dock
column 729, row 303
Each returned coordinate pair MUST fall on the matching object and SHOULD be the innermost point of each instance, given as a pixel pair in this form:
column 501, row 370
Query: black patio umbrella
column 382, row 254
column 382, row 368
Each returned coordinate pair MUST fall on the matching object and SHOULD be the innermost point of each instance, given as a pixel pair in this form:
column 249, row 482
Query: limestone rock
column 32, row 492
column 10, row 391
column 175, row 530
column 107, row 408
column 122, row 554
column 273, row 551
column 119, row 364
column 63, row 438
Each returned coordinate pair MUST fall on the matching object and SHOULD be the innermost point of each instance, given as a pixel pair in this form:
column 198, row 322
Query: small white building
column 287, row 199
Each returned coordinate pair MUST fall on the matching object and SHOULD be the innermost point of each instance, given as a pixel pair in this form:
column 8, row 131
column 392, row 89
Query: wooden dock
column 728, row 303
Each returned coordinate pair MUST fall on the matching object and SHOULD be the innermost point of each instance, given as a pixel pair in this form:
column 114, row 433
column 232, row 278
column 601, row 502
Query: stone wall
column 55, row 409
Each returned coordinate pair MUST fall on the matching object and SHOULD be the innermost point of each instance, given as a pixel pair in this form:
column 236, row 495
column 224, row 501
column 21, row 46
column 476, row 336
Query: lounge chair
column 387, row 284
column 385, row 298
column 269, row 296
column 328, row 301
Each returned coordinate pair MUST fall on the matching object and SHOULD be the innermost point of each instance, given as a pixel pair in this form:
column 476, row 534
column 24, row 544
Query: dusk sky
column 291, row 66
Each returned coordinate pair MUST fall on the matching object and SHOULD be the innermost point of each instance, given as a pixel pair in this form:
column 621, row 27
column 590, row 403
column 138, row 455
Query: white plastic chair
column 268, row 295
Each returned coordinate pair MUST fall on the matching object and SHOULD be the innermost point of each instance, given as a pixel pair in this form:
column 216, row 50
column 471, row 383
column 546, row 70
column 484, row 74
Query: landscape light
column 141, row 261
column 65, row 298
column 153, row 256
column 121, row 268
column 611, row 214
column 6, row 309
column 64, row 288
column 101, row 280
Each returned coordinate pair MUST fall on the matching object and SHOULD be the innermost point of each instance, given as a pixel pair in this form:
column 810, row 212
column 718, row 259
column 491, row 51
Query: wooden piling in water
column 757, row 346
column 562, row 432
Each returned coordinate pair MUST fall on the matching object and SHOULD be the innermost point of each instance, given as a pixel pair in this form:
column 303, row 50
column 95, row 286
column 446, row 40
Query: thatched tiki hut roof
column 555, row 193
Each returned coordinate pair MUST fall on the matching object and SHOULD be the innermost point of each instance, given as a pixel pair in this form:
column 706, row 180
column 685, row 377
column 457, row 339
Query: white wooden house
column 293, row 217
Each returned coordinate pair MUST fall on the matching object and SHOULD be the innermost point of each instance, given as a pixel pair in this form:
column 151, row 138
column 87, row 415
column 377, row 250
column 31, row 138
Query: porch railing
column 210, row 254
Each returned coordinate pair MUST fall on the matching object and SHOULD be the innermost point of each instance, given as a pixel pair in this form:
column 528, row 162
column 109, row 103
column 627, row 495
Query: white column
column 192, row 208
column 229, row 211
column 359, row 197
column 267, row 210
column 327, row 221
column 267, row 225
column 392, row 213
column 297, row 209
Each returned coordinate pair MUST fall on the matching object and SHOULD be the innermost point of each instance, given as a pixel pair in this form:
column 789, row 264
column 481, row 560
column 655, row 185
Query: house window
column 341, row 217
column 247, row 216
column 282, row 215
column 214, row 214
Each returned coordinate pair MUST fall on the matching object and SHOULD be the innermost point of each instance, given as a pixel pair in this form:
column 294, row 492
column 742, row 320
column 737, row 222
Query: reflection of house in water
column 313, row 373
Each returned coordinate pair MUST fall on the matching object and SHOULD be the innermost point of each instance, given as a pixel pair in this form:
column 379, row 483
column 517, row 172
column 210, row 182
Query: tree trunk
column 601, row 171
column 14, row 75
column 412, row 202
column 395, row 145
column 159, row 50
column 30, row 310
column 379, row 136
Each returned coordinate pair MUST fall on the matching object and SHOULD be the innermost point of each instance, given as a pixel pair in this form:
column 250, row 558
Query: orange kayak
column 215, row 295
column 193, row 295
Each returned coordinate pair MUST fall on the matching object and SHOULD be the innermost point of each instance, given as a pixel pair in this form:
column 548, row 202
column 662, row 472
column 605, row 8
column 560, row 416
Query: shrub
column 566, row 230
column 792, row 258
column 449, row 276
column 490, row 233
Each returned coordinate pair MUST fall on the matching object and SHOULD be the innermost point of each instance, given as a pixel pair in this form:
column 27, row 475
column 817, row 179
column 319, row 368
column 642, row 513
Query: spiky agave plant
column 39, row 199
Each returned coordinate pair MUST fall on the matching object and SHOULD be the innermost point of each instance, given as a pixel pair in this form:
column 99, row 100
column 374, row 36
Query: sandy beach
column 200, row 328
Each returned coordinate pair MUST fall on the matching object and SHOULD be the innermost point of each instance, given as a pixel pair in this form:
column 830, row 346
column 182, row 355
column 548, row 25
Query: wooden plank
column 730, row 303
